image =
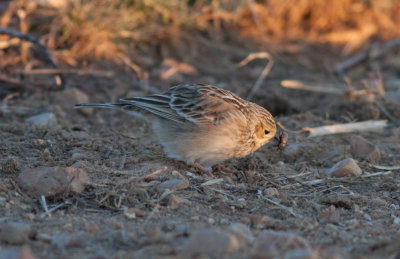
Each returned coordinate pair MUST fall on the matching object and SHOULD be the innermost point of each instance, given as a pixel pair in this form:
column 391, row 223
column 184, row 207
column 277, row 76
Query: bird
column 201, row 125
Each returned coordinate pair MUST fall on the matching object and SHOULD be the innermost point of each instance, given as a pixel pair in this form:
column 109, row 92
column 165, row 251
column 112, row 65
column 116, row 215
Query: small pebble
column 270, row 192
column 78, row 156
column 39, row 142
column 46, row 155
column 175, row 202
column 173, row 184
column 344, row 168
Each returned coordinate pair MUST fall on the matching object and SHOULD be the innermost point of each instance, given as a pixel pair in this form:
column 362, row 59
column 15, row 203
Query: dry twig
column 366, row 174
column 43, row 203
column 327, row 89
column 347, row 128
column 138, row 179
column 123, row 135
column 290, row 210
column 382, row 167
column 384, row 110
column 375, row 51
column 48, row 211
column 211, row 182
column 264, row 73
column 42, row 48
column 81, row 72
column 123, row 161
column 298, row 85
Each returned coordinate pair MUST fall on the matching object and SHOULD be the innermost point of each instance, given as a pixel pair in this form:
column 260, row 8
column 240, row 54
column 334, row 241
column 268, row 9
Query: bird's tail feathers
column 117, row 106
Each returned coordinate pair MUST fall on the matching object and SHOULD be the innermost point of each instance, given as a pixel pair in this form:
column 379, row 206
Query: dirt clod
column 50, row 181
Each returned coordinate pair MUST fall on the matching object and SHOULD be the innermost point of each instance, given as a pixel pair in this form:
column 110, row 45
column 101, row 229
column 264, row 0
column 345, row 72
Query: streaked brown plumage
column 201, row 124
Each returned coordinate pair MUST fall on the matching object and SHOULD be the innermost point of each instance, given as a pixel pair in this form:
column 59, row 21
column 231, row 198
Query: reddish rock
column 347, row 167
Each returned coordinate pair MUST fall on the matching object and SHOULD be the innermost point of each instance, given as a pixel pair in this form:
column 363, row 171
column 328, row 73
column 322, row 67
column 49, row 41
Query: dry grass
column 322, row 21
column 107, row 29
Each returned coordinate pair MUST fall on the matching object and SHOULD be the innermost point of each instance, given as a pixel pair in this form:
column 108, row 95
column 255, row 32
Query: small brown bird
column 202, row 125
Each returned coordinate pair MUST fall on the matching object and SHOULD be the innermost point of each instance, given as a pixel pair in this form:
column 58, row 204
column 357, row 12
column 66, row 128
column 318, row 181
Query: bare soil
column 350, row 217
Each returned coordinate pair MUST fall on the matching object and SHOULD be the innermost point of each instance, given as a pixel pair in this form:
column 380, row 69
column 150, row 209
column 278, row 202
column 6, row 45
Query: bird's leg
column 222, row 168
column 203, row 169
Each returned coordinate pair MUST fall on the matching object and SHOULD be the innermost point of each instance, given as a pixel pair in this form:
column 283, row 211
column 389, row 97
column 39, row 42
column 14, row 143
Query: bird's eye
column 266, row 132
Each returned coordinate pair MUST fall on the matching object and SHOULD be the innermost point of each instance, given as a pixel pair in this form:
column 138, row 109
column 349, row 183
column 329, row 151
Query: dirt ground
column 124, row 214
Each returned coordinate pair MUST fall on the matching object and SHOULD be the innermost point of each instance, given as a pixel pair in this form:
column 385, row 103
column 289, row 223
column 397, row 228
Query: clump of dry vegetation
column 108, row 29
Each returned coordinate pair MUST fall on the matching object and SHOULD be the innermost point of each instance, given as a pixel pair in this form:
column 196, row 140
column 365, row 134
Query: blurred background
column 109, row 49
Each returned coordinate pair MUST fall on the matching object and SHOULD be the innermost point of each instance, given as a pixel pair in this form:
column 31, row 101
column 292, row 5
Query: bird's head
column 265, row 128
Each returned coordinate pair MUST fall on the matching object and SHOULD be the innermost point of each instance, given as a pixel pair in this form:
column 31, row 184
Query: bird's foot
column 222, row 168
column 203, row 170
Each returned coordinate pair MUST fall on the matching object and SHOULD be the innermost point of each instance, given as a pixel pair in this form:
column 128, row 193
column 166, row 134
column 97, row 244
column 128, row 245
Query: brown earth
column 123, row 214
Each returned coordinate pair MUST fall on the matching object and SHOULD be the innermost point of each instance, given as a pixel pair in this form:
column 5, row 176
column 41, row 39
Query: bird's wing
column 200, row 104
column 157, row 104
